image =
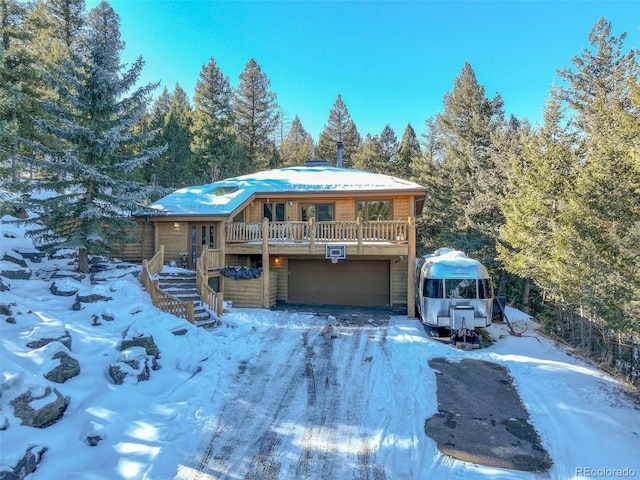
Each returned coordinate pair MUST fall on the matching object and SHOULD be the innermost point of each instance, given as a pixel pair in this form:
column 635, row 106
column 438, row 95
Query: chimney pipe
column 339, row 161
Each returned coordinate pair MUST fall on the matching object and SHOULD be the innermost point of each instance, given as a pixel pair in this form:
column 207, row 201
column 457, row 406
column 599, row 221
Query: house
column 316, row 234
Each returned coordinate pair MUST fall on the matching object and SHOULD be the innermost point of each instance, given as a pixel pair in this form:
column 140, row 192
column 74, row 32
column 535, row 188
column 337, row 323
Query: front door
column 202, row 235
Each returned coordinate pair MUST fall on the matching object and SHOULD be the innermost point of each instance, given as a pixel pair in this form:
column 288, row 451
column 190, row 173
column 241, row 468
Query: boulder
column 92, row 298
column 136, row 336
column 14, row 257
column 34, row 255
column 69, row 367
column 13, row 271
column 93, row 434
column 133, row 366
column 63, row 289
column 3, row 287
column 39, row 407
column 46, row 332
column 78, row 277
column 27, row 464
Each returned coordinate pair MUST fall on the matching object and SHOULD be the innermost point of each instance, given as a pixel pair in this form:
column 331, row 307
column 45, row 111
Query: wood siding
column 248, row 293
column 175, row 239
column 136, row 252
column 399, row 281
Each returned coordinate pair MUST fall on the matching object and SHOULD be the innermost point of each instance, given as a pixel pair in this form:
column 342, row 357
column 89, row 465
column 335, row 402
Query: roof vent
column 316, row 163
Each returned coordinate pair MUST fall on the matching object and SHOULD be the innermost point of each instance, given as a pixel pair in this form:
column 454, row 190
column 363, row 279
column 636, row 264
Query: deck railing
column 394, row 231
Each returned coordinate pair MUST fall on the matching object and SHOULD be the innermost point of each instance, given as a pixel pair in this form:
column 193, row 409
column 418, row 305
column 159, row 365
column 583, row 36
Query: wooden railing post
column 312, row 235
column 220, row 303
column 360, row 236
column 191, row 314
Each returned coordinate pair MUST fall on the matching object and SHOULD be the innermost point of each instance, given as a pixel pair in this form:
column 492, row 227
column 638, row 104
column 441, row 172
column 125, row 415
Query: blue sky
column 392, row 61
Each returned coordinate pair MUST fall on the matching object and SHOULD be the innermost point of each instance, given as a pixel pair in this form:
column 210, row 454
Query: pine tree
column 389, row 144
column 215, row 148
column 94, row 116
column 370, row 156
column 603, row 208
column 297, row 147
column 409, row 153
column 339, row 128
column 256, row 114
column 467, row 124
column 58, row 27
column 435, row 225
column 173, row 168
column 18, row 86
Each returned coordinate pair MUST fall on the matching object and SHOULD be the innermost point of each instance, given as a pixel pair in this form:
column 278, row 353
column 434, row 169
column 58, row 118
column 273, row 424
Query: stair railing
column 212, row 299
column 161, row 299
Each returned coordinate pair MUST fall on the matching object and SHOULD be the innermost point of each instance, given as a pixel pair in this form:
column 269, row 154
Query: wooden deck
column 310, row 238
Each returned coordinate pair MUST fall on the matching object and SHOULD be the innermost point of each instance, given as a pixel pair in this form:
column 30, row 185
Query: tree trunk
column 83, row 260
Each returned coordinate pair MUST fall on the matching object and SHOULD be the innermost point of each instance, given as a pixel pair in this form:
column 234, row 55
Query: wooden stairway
column 183, row 286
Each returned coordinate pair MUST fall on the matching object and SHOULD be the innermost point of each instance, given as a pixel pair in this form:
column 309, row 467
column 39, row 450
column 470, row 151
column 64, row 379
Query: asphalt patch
column 481, row 418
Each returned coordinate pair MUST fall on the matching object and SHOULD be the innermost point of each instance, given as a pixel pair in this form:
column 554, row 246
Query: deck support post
column 265, row 263
column 411, row 274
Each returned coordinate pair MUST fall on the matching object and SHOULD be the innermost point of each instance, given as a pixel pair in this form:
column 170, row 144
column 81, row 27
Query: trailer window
column 432, row 288
column 460, row 288
column 485, row 289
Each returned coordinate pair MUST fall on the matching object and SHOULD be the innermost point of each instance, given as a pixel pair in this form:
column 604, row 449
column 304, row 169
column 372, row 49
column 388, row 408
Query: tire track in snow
column 303, row 412
column 335, row 434
column 241, row 443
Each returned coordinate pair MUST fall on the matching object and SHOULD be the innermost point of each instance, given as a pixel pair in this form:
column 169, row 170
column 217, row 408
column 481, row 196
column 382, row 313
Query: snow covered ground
column 274, row 394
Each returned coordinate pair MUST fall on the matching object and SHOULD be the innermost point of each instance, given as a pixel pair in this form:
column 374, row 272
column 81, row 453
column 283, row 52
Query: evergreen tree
column 58, row 27
column 94, row 116
column 256, row 114
column 603, row 209
column 339, row 128
column 297, row 147
column 215, row 148
column 541, row 178
column 389, row 144
column 435, row 225
column 174, row 165
column 370, row 156
column 18, row 83
column 467, row 124
column 409, row 153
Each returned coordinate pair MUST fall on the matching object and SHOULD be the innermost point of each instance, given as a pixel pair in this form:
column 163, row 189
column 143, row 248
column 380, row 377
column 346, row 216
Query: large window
column 460, row 288
column 322, row 212
column 372, row 210
column 432, row 288
column 273, row 212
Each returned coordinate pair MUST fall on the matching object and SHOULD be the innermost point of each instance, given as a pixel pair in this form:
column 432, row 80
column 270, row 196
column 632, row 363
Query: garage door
column 320, row 282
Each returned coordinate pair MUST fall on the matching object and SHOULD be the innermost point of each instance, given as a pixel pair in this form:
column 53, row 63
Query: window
column 322, row 212
column 239, row 218
column 460, row 288
column 372, row 210
column 273, row 211
column 485, row 289
column 432, row 288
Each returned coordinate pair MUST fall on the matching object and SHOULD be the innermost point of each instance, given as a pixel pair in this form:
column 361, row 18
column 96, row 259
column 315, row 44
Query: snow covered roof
column 224, row 197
